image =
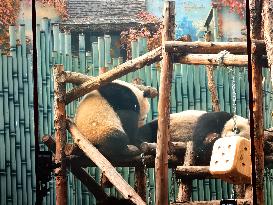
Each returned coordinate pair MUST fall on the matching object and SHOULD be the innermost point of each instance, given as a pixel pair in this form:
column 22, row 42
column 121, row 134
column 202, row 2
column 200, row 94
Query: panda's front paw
column 132, row 150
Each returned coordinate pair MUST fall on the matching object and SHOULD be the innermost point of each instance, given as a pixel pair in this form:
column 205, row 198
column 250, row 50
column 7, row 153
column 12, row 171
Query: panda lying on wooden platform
column 199, row 126
column 110, row 116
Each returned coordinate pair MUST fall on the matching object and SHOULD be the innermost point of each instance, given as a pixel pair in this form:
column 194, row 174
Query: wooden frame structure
column 166, row 152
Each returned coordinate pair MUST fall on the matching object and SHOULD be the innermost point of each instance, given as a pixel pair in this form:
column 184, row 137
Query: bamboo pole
column 60, row 134
column 95, row 57
column 82, row 52
column 101, row 49
column 113, row 74
column 107, row 41
column 255, row 7
column 163, row 135
column 110, row 172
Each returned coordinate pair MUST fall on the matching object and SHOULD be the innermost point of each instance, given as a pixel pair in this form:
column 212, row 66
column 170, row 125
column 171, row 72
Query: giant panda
column 203, row 128
column 110, row 116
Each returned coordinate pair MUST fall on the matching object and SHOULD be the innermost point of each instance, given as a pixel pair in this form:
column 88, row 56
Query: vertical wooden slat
column 7, row 128
column 82, row 53
column 178, row 85
column 255, row 7
column 161, row 161
column 101, row 50
column 43, row 104
column 107, row 41
column 17, row 177
column 203, row 88
column 23, row 130
column 31, row 114
column 3, row 173
column 60, row 134
column 95, row 57
column 185, row 87
column 197, row 88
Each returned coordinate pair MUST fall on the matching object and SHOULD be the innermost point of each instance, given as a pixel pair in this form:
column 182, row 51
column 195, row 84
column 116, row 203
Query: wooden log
column 185, row 188
column 113, row 74
column 106, row 167
column 212, row 59
column 163, row 134
column 78, row 78
column 214, row 202
column 174, row 148
column 84, row 161
column 60, row 134
column 256, row 111
column 267, row 15
column 199, row 47
column 193, row 172
column 80, row 173
column 211, row 83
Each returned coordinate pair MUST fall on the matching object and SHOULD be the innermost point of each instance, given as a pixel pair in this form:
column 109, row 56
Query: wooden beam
column 60, row 134
column 193, row 172
column 88, row 181
column 106, row 167
column 214, row 202
column 257, row 141
column 199, row 47
column 78, row 78
column 113, row 74
column 163, row 134
column 178, row 148
column 212, row 59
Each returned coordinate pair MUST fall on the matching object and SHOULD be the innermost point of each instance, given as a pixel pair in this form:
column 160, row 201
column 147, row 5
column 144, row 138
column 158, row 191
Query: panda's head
column 143, row 103
column 242, row 124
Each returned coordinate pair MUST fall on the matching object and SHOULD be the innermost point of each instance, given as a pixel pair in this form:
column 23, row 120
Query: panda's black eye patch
column 236, row 130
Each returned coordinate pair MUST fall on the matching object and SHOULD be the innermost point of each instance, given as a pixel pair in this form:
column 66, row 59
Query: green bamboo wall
column 189, row 91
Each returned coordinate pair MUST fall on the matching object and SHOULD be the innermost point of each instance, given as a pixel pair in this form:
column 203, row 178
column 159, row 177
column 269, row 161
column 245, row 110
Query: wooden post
column 140, row 185
column 255, row 7
column 161, row 163
column 60, row 134
column 185, row 187
column 211, row 82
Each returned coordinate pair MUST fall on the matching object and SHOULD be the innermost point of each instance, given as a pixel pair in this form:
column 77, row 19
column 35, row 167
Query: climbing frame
column 198, row 53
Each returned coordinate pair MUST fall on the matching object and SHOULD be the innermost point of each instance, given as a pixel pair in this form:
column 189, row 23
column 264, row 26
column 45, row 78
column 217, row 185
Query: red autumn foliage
column 150, row 29
column 236, row 6
column 9, row 11
column 59, row 5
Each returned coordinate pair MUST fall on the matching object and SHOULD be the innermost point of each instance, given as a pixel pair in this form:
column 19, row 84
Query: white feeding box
column 231, row 160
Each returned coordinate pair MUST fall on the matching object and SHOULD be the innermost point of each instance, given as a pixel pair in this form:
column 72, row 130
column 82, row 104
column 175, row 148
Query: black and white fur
column 203, row 128
column 110, row 116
